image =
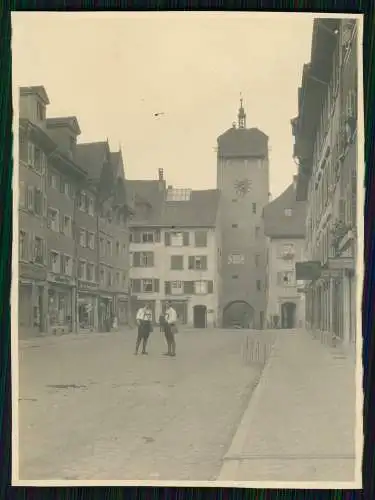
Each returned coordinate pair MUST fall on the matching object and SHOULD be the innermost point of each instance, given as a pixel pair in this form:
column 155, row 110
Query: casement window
column 102, row 247
column 23, row 245
column 30, row 154
column 259, row 285
column 286, row 249
column 189, row 287
column 82, row 201
column 38, row 202
column 91, row 240
column 203, row 287
column 117, row 248
column 177, row 287
column 30, row 198
column 124, row 249
column 82, row 238
column 90, row 272
column 53, row 181
column 66, row 265
column 148, row 237
column 82, row 269
column 39, row 250
column 257, row 260
column 236, row 258
column 68, row 226
column 102, row 275
column 177, row 239
column 53, row 219
column 143, row 259
column 145, row 285
column 254, row 208
column 285, row 278
column 40, row 112
column 90, row 205
column 117, row 278
column 54, row 262
column 39, row 160
column 177, row 262
column 109, row 248
column 200, row 238
column 198, row 262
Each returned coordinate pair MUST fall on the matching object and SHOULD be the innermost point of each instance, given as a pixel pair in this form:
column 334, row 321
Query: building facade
column 284, row 226
column 175, row 252
column 326, row 150
column 243, row 182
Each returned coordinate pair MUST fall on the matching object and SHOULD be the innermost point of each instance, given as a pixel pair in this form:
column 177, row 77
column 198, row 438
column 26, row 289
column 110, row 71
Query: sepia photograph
column 187, row 249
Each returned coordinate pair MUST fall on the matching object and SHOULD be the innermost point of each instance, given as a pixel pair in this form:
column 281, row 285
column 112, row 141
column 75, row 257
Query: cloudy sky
column 114, row 71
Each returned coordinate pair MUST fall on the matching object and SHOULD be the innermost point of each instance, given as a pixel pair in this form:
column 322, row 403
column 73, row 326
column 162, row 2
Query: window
column 40, row 112
column 124, row 249
column 257, row 258
column 30, row 198
column 286, row 278
column 90, row 205
column 177, row 287
column 148, row 237
column 109, row 216
column 91, row 240
column 254, row 208
column 259, row 285
column 198, row 262
column 90, row 272
column 82, row 237
column 53, row 181
column 38, row 250
column 288, row 212
column 66, row 265
column 287, row 251
column 177, row 239
column 257, row 232
column 30, row 154
column 67, row 229
column 39, row 160
column 201, row 238
column 200, row 287
column 22, row 194
column 117, row 278
column 147, row 286
column 82, row 269
column 109, row 248
column 82, row 201
column 72, row 143
column 189, row 287
column 38, row 202
column 102, row 276
column 54, row 262
column 117, row 248
column 177, row 262
column 102, row 247
column 143, row 259
column 53, row 221
column 236, row 258
column 234, row 226
column 23, row 246
column 67, row 188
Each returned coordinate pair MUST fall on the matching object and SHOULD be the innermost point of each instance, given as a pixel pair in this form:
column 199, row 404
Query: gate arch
column 238, row 313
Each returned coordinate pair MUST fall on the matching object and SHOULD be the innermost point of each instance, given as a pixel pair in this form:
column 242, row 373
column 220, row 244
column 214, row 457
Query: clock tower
column 243, row 180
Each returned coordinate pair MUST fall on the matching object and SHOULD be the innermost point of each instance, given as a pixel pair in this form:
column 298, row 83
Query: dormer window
column 40, row 111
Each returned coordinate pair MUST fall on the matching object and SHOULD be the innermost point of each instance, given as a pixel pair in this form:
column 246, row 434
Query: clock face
column 242, row 187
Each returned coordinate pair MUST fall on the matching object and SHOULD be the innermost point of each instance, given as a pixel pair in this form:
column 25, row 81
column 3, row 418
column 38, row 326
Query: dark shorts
column 144, row 329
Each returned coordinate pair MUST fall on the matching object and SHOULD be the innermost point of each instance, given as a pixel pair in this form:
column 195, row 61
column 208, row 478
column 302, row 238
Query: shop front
column 32, row 301
column 87, row 307
column 60, row 304
column 106, row 312
column 122, row 310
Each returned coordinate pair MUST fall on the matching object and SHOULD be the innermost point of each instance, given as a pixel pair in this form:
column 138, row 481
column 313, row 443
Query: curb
column 231, row 461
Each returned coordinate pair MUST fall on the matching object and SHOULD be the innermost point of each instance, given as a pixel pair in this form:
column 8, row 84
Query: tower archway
column 238, row 314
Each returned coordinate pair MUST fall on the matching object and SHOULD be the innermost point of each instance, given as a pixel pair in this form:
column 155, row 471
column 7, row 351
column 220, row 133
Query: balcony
column 288, row 255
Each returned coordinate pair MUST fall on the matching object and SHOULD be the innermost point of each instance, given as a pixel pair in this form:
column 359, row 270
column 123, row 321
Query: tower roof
column 243, row 142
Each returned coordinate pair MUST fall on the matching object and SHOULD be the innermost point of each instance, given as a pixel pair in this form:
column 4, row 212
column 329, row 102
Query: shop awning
column 308, row 270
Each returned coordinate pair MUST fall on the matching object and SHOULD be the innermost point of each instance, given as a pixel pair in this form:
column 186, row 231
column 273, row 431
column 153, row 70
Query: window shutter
column 136, row 285
column 32, row 248
column 186, row 239
column 136, row 259
column 157, row 236
column 204, row 262
column 151, row 259
column 191, row 262
column 210, row 287
column 61, row 223
column 137, row 236
column 30, row 204
column 167, row 288
column 189, row 287
column 167, row 239
column 156, row 285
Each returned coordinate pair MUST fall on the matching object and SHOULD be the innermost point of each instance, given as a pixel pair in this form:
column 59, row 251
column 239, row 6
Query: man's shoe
column 144, row 352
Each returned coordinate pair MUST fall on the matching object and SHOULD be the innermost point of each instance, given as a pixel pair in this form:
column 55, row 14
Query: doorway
column 288, row 315
column 200, row 316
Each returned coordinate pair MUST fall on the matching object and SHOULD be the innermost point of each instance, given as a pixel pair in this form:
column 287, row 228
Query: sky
column 114, row 71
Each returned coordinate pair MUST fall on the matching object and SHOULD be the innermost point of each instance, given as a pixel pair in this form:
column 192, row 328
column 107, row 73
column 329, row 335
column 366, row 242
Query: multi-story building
column 103, row 237
column 175, row 251
column 35, row 147
column 326, row 150
column 243, row 182
column 284, row 226
column 64, row 177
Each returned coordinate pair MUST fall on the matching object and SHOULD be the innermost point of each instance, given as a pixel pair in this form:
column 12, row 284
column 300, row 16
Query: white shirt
column 170, row 316
column 144, row 314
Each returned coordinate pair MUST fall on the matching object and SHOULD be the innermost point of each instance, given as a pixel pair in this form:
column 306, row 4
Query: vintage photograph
column 188, row 248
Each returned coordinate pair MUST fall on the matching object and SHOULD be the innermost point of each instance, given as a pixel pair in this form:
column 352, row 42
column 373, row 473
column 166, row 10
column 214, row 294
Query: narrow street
column 90, row 409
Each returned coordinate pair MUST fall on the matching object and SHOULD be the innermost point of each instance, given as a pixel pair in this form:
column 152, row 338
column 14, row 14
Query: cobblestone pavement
column 90, row 409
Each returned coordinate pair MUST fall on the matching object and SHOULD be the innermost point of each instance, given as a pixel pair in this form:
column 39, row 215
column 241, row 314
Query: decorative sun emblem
column 242, row 187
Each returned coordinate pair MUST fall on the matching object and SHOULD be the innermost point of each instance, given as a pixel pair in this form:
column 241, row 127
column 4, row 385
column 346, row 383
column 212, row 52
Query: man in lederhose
column 170, row 329
column 144, row 322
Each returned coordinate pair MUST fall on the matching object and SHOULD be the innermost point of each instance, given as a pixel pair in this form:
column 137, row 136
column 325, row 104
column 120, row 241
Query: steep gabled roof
column 92, row 156
column 243, row 142
column 279, row 225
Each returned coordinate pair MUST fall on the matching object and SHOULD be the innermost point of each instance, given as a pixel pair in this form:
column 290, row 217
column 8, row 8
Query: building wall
column 278, row 292
column 247, row 237
column 161, row 270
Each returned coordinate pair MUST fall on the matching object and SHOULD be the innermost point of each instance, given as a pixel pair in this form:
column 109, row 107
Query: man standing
column 170, row 329
column 144, row 322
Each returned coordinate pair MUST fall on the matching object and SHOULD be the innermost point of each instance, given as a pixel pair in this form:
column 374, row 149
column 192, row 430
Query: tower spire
column 241, row 114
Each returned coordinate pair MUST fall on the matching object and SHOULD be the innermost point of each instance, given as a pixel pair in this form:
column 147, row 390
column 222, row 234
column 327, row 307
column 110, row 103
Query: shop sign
column 32, row 272
column 59, row 278
column 308, row 271
column 86, row 285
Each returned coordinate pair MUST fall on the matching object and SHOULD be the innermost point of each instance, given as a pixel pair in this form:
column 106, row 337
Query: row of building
column 326, row 151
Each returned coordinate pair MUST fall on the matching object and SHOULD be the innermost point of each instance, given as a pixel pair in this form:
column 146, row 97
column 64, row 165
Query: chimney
column 295, row 178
